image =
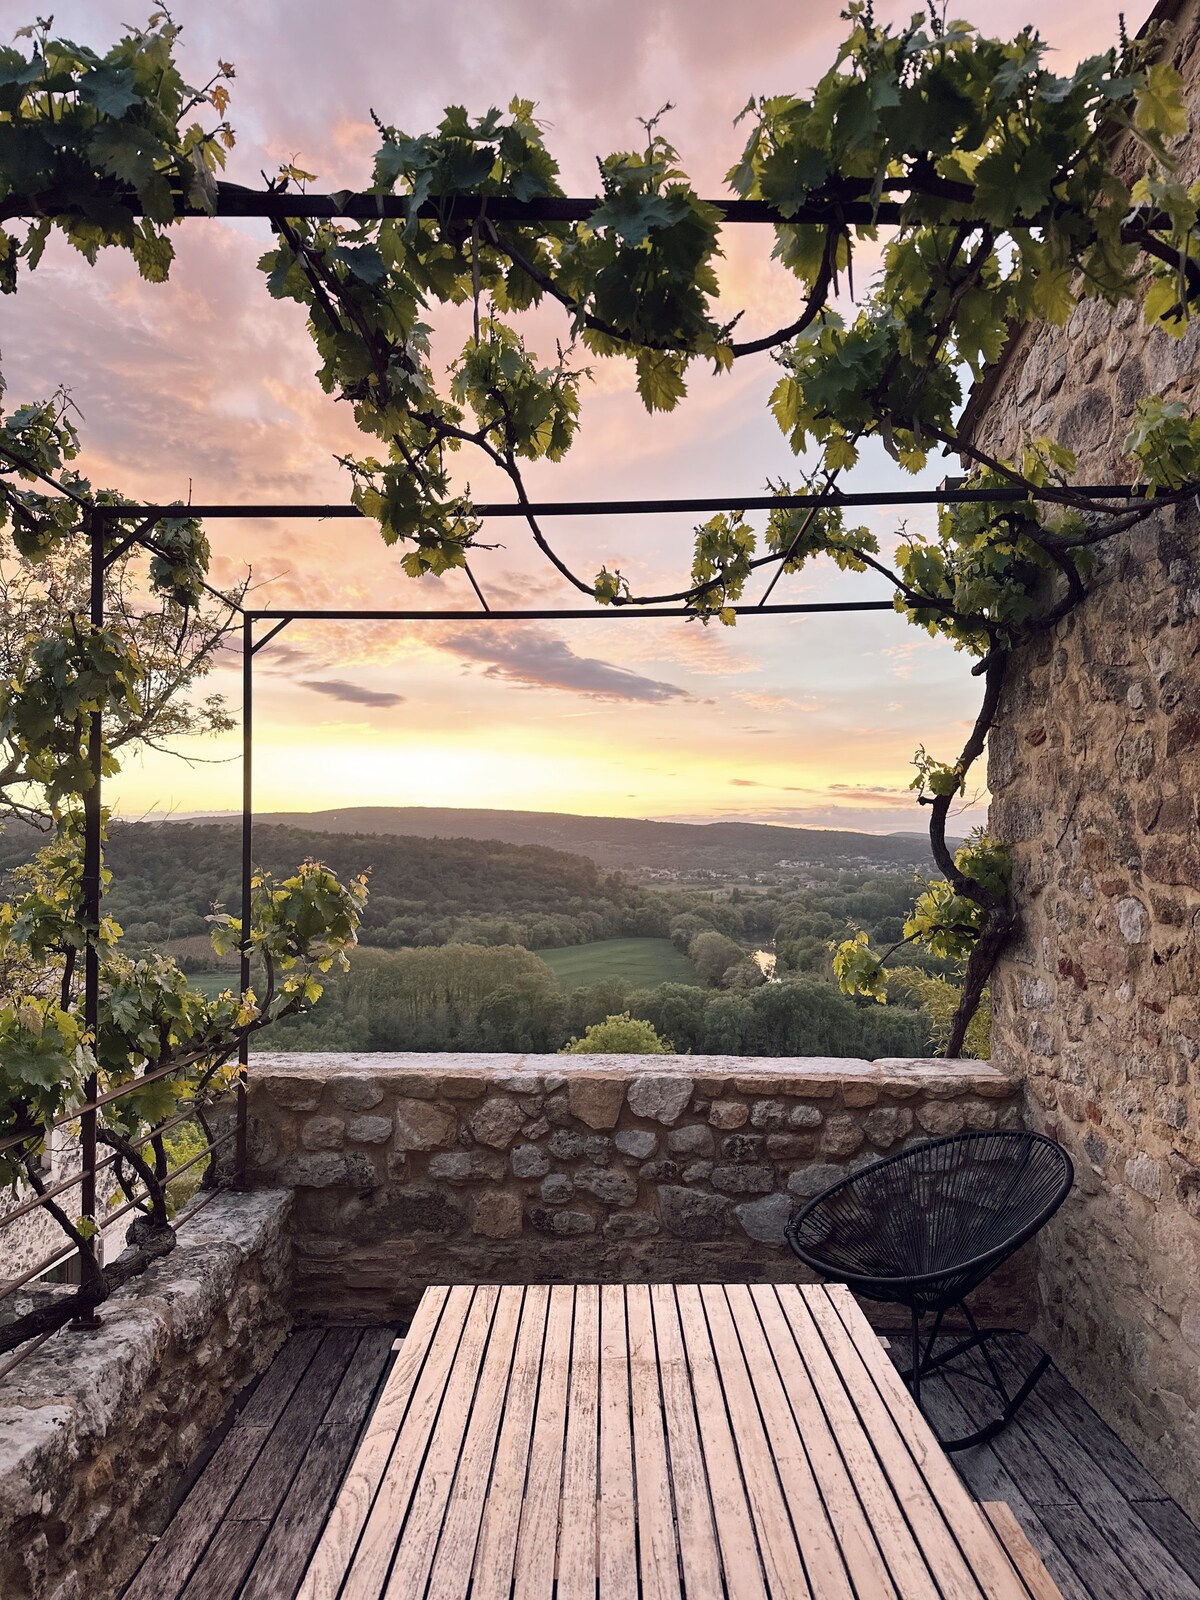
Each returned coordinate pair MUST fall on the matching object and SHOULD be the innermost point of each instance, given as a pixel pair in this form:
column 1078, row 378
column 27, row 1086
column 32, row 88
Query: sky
column 203, row 388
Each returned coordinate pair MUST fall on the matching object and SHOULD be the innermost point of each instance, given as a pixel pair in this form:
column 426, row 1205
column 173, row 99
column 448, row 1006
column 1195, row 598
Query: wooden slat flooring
column 1104, row 1529
column 252, row 1518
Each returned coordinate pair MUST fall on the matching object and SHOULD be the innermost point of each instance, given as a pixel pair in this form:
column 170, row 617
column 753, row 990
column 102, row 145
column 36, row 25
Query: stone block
column 638, row 1143
column 596, row 1101
column 659, row 1098
column 565, row 1224
column 324, row 1169
column 692, row 1214
column 791, row 1146
column 464, row 1086
column 886, row 1124
column 860, row 1094
column 404, row 1212
column 557, row 1187
column 421, row 1125
column 1144, row 1174
column 662, row 1171
column 496, row 1122
column 942, row 1117
column 631, row 1225
column 805, row 1116
column 765, row 1219
column 814, row 1180
column 693, row 1140
column 323, row 1133
column 698, row 1172
column 566, row 1144
column 452, row 1166
column 743, row 1178
column 292, row 1094
column 841, row 1136
column 743, row 1146
column 355, row 1094
column 767, row 1114
column 497, row 1214
column 728, row 1114
column 612, row 1186
column 527, row 1161
column 369, row 1130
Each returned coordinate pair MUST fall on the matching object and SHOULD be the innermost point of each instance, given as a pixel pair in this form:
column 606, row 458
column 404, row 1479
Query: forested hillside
column 633, row 844
column 449, row 944
column 167, row 877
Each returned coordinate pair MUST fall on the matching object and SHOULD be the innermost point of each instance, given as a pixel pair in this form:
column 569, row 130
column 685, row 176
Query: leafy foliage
column 621, row 1035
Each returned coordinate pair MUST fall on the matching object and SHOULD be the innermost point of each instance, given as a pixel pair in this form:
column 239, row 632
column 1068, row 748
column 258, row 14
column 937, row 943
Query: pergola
column 261, row 625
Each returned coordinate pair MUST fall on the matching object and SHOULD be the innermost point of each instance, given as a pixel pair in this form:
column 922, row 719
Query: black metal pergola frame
column 99, row 519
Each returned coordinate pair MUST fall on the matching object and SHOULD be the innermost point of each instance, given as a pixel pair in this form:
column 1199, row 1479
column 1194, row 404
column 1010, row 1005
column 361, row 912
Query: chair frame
column 917, row 1290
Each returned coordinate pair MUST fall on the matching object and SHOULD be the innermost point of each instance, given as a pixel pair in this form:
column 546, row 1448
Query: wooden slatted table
column 673, row 1442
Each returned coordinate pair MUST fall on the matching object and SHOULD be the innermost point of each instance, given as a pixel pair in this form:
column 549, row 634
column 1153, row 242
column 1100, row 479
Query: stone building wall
column 1094, row 770
column 415, row 1169
column 96, row 1428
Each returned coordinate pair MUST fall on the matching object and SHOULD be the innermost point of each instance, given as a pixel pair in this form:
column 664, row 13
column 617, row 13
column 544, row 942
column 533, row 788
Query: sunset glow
column 203, row 387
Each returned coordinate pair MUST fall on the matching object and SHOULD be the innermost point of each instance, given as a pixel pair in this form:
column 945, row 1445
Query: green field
column 644, row 962
column 213, row 983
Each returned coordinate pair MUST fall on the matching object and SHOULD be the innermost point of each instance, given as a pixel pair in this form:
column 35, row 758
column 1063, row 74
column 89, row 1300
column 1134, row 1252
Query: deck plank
column 1020, row 1552
column 944, row 1518
column 496, row 1550
column 416, row 1380
column 1090, row 1550
column 1092, row 1432
column 616, row 1520
column 777, row 1537
column 430, row 1499
column 658, row 1557
column 577, row 1533
column 699, row 1556
column 227, row 1560
column 279, row 1565
column 908, row 1497
column 537, row 1541
column 1146, row 1559
column 1174, row 1529
column 170, row 1564
column 453, row 1561
column 740, row 1555
column 282, row 1454
column 846, row 1494
column 985, row 1474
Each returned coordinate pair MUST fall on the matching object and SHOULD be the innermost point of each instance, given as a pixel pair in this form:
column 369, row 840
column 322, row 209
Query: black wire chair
column 922, row 1229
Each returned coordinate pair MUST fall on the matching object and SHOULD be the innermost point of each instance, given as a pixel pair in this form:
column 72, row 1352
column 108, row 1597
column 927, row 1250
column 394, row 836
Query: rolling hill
column 630, row 844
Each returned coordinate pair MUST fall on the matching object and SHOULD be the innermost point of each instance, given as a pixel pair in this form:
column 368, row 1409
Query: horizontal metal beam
column 559, row 614
column 664, row 507
column 852, row 205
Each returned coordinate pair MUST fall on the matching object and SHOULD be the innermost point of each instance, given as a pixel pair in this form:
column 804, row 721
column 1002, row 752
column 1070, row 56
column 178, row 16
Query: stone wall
column 96, row 1428
column 1095, row 775
column 417, row 1169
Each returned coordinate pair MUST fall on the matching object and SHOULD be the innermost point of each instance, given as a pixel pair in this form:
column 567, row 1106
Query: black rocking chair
column 922, row 1229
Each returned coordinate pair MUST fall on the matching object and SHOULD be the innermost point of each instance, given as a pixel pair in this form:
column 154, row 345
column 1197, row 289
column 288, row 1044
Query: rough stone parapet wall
column 418, row 1169
column 96, row 1428
column 1094, row 771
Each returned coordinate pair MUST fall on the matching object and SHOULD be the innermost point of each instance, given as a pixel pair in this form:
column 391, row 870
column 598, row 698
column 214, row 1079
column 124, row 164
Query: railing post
column 93, row 527
column 247, row 854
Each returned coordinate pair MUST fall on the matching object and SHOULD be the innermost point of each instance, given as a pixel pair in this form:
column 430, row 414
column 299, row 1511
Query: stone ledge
column 144, row 1389
column 554, row 1072
column 409, row 1166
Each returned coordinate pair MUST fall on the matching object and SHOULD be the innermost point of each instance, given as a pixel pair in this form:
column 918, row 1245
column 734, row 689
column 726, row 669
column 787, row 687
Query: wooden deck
column 256, row 1511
